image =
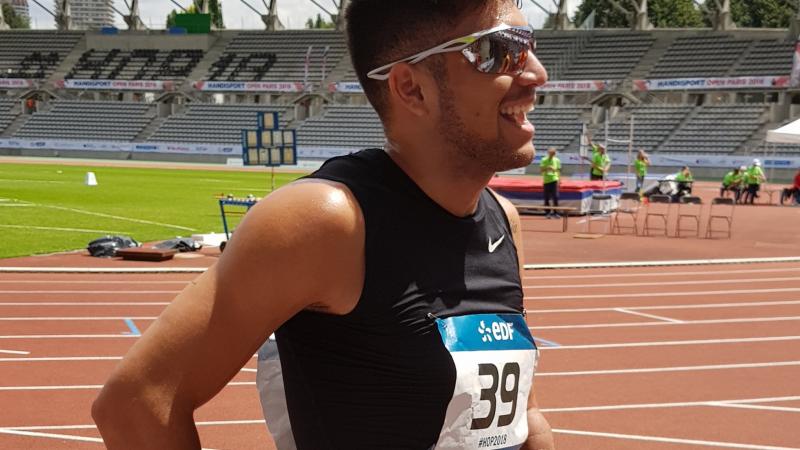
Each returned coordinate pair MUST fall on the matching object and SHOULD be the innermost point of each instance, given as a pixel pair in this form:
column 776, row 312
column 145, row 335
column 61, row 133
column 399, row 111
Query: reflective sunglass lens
column 501, row 52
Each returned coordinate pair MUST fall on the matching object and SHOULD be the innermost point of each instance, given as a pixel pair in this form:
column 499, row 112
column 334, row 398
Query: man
column 601, row 163
column 732, row 182
column 684, row 179
column 386, row 273
column 550, row 167
column 641, row 164
column 753, row 178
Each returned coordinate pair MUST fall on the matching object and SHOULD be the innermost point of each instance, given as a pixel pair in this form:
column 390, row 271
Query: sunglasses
column 500, row 50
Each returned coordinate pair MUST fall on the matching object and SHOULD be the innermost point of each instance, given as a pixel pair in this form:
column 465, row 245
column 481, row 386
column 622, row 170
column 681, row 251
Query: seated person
column 685, row 180
column 733, row 182
column 792, row 194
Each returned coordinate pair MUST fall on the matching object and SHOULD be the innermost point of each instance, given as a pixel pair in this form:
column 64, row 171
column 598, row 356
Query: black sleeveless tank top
column 380, row 376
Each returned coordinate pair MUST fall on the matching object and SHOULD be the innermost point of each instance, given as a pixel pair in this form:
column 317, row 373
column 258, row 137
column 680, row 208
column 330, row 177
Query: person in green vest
column 732, row 181
column 684, row 179
column 641, row 164
column 601, row 163
column 550, row 166
column 753, row 178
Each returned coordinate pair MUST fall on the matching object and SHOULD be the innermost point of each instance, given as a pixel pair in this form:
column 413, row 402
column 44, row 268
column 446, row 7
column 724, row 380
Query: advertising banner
column 114, row 85
column 574, row 86
column 683, row 84
column 249, row 86
column 112, row 146
column 15, row 83
column 346, row 87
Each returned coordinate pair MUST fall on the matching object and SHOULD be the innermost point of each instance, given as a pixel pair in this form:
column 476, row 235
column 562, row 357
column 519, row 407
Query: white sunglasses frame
column 463, row 42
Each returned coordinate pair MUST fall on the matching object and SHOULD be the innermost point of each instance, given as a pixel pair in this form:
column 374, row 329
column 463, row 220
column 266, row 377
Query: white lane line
column 111, row 216
column 12, row 180
column 670, row 405
column 66, row 437
column 131, row 281
column 651, row 324
column 14, row 352
column 671, row 369
column 92, row 427
column 674, row 343
column 635, row 437
column 758, row 407
column 117, row 270
column 660, row 274
column 84, row 303
column 661, row 307
column 90, row 387
column 677, row 262
column 63, row 358
column 82, row 292
column 69, row 336
column 663, row 294
column 56, row 319
column 69, row 230
column 665, row 283
column 649, row 316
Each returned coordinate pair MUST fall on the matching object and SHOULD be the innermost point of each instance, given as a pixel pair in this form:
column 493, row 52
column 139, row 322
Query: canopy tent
column 787, row 134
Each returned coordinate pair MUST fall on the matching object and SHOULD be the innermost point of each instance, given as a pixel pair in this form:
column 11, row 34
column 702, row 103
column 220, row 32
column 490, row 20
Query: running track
column 660, row 358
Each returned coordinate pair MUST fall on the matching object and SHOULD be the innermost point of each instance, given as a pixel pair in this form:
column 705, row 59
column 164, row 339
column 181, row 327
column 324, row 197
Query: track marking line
column 125, row 270
column 635, row 437
column 546, row 342
column 665, row 283
column 90, row 387
column 661, row 274
column 661, row 307
column 16, row 292
column 92, row 427
column 669, row 405
column 675, row 343
column 14, row 352
column 132, row 281
column 651, row 324
column 678, row 262
column 84, row 303
column 67, row 336
column 66, row 437
column 70, row 230
column 650, row 316
column 111, row 216
column 671, row 369
column 62, row 358
column 46, row 319
column 132, row 327
column 760, row 407
column 663, row 294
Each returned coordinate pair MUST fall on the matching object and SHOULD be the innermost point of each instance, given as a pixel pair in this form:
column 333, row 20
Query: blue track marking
column 546, row 342
column 132, row 326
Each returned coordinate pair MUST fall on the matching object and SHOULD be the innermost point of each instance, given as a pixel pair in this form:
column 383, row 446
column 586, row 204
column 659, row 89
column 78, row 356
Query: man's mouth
column 517, row 113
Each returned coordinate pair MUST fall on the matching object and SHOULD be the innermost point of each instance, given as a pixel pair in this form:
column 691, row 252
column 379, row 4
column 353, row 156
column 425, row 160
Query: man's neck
column 454, row 189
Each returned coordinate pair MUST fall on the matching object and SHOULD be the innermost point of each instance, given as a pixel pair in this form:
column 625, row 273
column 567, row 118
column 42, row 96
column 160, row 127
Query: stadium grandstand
column 710, row 92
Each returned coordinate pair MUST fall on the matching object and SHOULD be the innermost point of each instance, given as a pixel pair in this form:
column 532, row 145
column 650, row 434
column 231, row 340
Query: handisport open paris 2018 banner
column 109, row 85
column 353, row 87
column 684, row 84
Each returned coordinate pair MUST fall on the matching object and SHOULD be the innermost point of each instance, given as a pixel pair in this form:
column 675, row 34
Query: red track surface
column 661, row 358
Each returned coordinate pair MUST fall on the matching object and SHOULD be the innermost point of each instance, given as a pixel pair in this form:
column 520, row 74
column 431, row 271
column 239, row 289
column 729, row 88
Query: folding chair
column 721, row 209
column 690, row 207
column 659, row 207
column 629, row 205
column 600, row 207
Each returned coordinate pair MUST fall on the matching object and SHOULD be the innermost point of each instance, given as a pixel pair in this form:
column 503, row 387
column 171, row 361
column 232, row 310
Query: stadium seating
column 34, row 54
column 6, row 104
column 210, row 123
column 343, row 126
column 767, row 57
column 716, row 129
column 609, row 56
column 279, row 56
column 652, row 125
column 705, row 55
column 85, row 120
column 557, row 126
column 143, row 64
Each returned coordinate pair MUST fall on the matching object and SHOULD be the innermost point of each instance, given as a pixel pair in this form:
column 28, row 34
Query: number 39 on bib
column 495, row 358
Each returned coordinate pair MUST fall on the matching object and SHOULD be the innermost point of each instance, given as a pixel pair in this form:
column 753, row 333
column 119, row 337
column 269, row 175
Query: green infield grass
column 48, row 208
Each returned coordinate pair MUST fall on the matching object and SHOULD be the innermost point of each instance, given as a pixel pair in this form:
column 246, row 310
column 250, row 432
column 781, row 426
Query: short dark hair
column 382, row 31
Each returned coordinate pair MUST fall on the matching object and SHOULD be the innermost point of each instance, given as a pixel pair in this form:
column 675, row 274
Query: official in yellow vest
column 550, row 167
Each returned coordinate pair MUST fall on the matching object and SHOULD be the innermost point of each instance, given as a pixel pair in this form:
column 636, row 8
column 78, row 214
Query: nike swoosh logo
column 493, row 245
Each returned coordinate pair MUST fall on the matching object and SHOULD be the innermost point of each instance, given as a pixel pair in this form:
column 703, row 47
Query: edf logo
column 497, row 331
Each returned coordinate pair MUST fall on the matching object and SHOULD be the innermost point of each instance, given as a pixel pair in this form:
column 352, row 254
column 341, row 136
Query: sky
column 293, row 13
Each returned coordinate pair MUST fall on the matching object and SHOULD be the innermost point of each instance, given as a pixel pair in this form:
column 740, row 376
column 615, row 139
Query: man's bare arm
column 277, row 264
column 540, row 437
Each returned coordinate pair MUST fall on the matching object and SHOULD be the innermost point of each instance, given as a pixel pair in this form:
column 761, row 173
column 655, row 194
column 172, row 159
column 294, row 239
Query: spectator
column 601, row 163
column 732, row 181
column 641, row 164
column 753, row 178
column 550, row 167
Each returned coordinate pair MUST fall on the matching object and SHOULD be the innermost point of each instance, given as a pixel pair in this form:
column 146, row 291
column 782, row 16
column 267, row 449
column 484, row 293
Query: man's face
column 482, row 117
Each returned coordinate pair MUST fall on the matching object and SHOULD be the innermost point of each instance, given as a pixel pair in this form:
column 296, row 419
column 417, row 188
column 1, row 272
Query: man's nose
column 534, row 73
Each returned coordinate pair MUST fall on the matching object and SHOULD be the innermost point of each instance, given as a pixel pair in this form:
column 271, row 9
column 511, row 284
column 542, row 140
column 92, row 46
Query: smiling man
column 391, row 277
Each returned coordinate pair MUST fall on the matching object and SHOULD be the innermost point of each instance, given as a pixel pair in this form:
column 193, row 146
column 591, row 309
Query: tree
column 214, row 9
column 13, row 19
column 662, row 13
column 758, row 13
column 319, row 23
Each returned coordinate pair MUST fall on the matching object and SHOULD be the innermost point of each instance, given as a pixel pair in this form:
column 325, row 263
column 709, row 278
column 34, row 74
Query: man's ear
column 407, row 88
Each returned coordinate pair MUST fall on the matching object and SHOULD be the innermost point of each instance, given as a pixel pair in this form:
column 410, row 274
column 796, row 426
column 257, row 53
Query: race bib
column 495, row 358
